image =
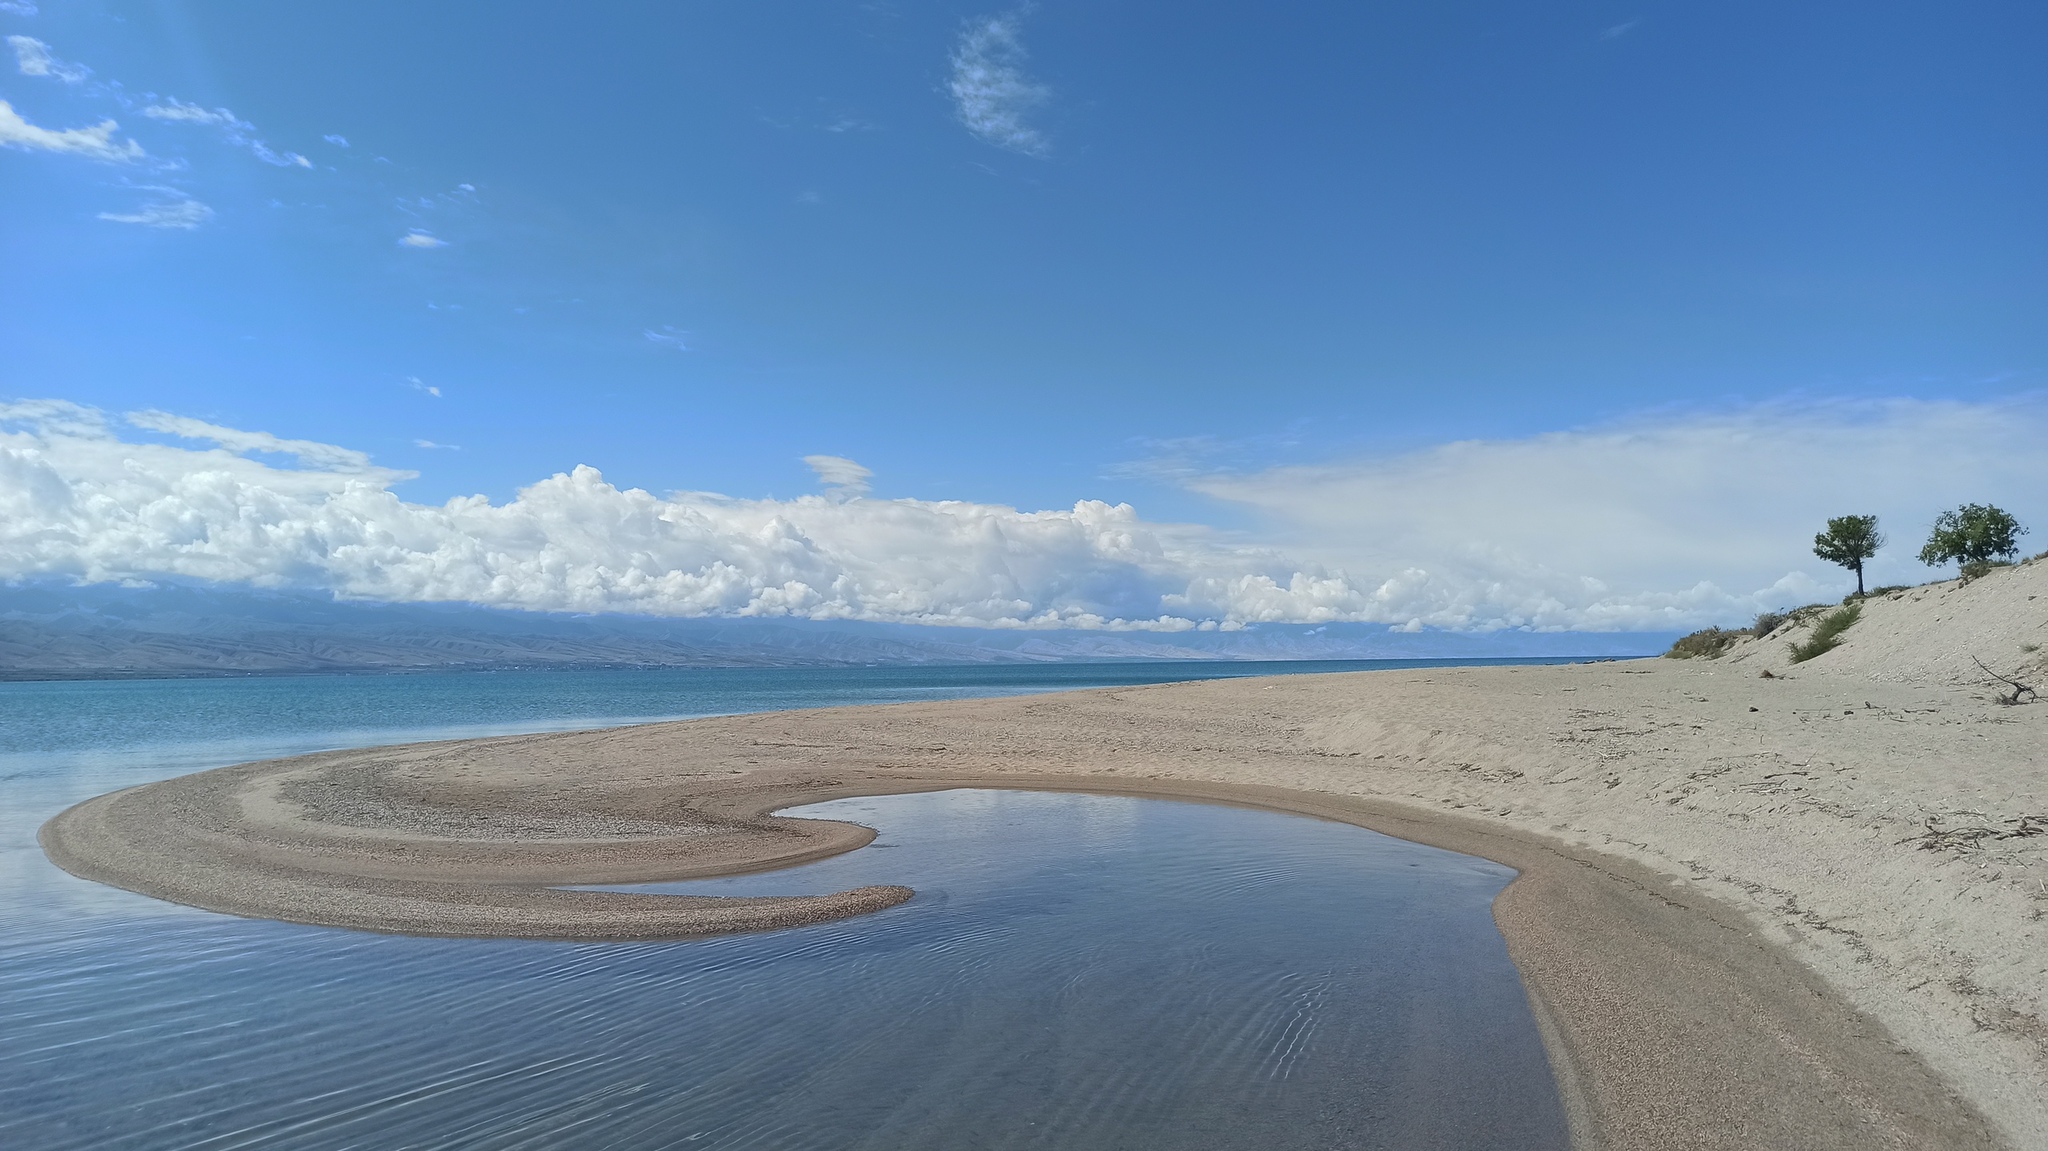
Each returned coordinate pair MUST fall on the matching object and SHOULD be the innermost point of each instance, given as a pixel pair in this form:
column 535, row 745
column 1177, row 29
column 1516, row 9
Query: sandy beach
column 1795, row 910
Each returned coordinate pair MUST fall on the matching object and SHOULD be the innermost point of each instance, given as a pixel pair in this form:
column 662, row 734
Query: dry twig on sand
column 2018, row 689
column 1965, row 838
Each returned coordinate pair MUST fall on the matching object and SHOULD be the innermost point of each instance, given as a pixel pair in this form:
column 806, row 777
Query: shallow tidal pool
column 1076, row 971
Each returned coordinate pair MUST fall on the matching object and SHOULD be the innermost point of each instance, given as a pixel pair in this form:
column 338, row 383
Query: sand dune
column 1934, row 633
column 1796, row 911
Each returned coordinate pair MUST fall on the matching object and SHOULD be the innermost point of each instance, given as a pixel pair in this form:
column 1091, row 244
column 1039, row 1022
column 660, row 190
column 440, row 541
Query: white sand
column 1869, row 814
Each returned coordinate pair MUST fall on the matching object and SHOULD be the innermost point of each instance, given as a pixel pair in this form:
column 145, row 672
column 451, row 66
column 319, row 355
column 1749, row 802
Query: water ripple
column 1075, row 972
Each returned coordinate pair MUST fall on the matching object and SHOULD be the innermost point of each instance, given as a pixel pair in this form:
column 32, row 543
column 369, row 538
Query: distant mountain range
column 59, row 632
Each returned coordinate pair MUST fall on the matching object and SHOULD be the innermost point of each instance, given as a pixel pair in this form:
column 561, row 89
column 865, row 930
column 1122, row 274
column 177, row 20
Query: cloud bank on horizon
column 1615, row 529
column 1730, row 497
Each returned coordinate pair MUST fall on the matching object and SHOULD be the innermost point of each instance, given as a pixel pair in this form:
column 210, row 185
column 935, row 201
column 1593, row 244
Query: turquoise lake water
column 1075, row 972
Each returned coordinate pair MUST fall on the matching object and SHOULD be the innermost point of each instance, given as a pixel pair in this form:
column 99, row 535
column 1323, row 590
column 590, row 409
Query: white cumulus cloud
column 80, row 500
column 186, row 214
column 33, row 57
column 991, row 94
column 1659, row 523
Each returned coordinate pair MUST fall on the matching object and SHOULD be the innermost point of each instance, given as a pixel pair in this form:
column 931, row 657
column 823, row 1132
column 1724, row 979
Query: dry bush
column 1708, row 643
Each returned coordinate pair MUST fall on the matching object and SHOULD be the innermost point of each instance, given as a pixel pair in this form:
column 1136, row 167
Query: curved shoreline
column 117, row 839
column 1672, row 1022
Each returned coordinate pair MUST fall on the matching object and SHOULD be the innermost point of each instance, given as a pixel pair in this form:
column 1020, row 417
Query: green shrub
column 1768, row 622
column 1978, row 569
column 1708, row 643
column 1827, row 634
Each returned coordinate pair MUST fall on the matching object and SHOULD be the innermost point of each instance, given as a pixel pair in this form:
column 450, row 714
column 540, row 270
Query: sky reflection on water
column 1076, row 971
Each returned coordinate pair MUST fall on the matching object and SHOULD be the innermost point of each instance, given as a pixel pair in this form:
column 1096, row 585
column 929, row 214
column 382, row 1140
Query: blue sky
column 1226, row 263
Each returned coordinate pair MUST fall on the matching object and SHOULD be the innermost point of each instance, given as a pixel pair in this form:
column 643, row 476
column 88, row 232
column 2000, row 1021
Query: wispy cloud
column 310, row 452
column 179, row 112
column 160, row 120
column 186, row 213
column 668, row 336
column 1617, row 31
column 991, row 94
column 420, row 385
column 841, row 475
column 17, row 7
column 239, row 132
column 1695, row 511
column 1181, row 458
column 96, row 142
column 282, row 159
column 825, row 118
column 34, row 58
column 434, row 447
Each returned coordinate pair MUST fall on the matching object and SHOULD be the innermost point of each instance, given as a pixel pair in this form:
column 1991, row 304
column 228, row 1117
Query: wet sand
column 1740, row 916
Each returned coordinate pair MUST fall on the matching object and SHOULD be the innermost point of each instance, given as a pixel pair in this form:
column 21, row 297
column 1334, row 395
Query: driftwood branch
column 1968, row 838
column 2018, row 689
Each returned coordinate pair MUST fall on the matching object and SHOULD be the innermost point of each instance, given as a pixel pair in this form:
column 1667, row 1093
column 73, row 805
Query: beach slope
column 1795, row 910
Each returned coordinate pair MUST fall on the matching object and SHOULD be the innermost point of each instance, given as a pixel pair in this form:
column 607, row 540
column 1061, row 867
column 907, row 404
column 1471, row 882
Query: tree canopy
column 1849, row 540
column 1972, row 534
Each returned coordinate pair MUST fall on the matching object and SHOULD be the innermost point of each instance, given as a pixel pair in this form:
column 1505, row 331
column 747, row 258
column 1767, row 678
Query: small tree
column 1972, row 534
column 1849, row 541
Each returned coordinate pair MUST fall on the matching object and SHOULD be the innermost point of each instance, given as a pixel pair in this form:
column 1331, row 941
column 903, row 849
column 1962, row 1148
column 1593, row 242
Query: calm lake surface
column 1075, row 972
